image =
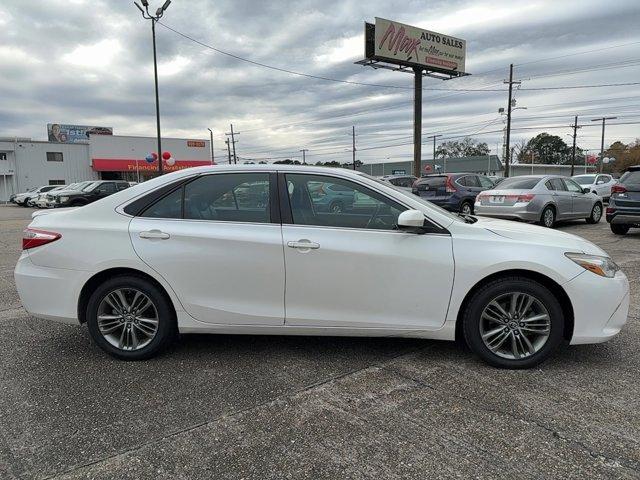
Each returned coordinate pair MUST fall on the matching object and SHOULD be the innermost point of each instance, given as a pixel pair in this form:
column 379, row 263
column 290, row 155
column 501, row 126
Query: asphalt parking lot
column 305, row 407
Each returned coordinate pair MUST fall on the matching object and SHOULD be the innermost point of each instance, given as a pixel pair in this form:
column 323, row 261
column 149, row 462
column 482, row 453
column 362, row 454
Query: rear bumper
column 598, row 318
column 49, row 293
column 519, row 211
column 625, row 216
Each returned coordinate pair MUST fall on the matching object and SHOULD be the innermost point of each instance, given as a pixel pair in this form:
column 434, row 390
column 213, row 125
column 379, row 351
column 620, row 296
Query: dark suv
column 89, row 193
column 453, row 191
column 623, row 211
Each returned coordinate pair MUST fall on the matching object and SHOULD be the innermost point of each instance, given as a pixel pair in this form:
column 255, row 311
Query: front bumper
column 50, row 293
column 600, row 306
column 519, row 211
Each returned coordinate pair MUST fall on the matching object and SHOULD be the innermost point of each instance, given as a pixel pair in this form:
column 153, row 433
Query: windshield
column 90, row 186
column 630, row 177
column 415, row 198
column 585, row 179
column 518, row 183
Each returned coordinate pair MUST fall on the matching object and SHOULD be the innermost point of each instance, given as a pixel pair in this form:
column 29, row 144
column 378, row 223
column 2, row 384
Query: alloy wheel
column 466, row 209
column 597, row 213
column 515, row 325
column 548, row 218
column 127, row 319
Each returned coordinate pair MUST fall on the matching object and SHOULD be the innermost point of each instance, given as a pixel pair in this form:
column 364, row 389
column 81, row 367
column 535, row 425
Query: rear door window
column 431, row 183
column 485, row 182
column 518, row 183
column 630, row 178
column 558, row 184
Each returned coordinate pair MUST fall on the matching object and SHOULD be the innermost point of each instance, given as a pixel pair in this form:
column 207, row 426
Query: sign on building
column 409, row 46
column 64, row 133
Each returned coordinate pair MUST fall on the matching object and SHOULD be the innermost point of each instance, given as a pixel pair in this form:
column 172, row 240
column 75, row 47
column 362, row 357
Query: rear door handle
column 154, row 234
column 304, row 245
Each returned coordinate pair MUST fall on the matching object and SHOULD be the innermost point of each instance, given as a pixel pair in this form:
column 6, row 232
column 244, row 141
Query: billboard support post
column 417, row 122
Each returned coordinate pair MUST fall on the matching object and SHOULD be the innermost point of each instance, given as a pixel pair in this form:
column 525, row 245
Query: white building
column 26, row 163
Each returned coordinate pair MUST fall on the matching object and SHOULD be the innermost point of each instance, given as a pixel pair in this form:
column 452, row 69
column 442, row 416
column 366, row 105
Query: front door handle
column 154, row 235
column 304, row 245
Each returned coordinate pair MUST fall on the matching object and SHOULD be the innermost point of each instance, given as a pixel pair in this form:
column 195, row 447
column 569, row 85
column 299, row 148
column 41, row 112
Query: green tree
column 467, row 147
column 549, row 149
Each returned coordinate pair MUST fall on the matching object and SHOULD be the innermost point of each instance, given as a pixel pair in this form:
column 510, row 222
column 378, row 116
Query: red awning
column 129, row 165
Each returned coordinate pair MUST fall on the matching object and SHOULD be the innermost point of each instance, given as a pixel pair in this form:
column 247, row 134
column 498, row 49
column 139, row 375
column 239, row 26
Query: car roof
column 399, row 175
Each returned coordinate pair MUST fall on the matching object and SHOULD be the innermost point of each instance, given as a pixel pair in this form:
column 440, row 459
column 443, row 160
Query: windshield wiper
column 467, row 218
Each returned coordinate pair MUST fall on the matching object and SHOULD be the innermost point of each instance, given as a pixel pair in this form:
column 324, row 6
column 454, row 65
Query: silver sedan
column 539, row 198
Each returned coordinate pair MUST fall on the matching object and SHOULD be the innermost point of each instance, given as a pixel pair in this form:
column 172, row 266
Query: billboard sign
column 64, row 133
column 401, row 44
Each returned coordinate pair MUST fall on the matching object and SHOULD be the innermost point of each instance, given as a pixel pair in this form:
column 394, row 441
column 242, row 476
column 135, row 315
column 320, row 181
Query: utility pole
column 304, row 159
column 233, row 142
column 353, row 134
column 417, row 121
column 211, row 143
column 228, row 149
column 509, row 105
column 155, row 18
column 603, row 120
column 573, row 151
column 434, row 153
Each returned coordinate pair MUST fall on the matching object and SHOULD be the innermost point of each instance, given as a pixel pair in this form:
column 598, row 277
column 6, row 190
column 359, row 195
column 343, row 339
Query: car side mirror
column 411, row 221
column 585, row 190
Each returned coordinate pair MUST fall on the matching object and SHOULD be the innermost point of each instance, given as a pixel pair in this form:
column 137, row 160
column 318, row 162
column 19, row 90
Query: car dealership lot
column 307, row 407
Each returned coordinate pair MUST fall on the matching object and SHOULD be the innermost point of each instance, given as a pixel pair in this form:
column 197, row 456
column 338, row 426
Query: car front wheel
column 130, row 318
column 513, row 322
column 548, row 217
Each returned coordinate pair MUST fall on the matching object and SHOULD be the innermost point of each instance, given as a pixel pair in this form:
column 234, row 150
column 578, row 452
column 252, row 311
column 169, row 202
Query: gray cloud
column 90, row 62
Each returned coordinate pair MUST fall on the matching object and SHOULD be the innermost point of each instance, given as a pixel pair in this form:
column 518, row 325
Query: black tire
column 167, row 327
column 548, row 219
column 596, row 214
column 472, row 316
column 619, row 229
column 466, row 205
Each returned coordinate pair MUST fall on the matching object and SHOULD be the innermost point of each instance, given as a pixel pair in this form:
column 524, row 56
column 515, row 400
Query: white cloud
column 98, row 55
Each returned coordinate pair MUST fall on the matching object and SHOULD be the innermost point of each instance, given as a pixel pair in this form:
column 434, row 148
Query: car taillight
column 527, row 197
column 32, row 238
column 450, row 186
column 609, row 210
column 618, row 189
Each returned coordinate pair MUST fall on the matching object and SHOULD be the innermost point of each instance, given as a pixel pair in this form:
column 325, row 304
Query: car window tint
column 518, row 183
column 431, row 182
column 630, row 178
column 558, row 184
column 232, row 197
column 572, row 186
column 549, row 185
column 314, row 201
column 106, row 188
column 169, row 206
column 585, row 179
column 462, row 181
column 485, row 182
column 472, row 181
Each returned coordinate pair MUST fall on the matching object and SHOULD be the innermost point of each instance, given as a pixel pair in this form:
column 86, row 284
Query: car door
column 603, row 185
column 581, row 202
column 354, row 268
column 217, row 241
column 561, row 198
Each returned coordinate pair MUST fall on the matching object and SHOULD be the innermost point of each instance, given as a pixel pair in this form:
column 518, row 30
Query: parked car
column 170, row 255
column 50, row 197
column 600, row 184
column 89, row 193
column 330, row 197
column 24, row 198
column 540, row 198
column 401, row 181
column 41, row 200
column 623, row 211
column 455, row 192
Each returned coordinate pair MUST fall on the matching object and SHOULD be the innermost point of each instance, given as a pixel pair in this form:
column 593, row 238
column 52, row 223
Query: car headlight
column 63, row 199
column 603, row 266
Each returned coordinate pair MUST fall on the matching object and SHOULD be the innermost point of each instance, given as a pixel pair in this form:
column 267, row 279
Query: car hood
column 528, row 233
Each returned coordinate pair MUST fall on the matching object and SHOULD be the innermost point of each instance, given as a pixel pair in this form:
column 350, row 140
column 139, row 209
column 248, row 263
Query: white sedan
column 600, row 184
column 252, row 249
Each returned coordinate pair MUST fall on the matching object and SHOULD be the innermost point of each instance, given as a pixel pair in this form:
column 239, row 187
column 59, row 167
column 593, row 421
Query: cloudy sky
column 90, row 62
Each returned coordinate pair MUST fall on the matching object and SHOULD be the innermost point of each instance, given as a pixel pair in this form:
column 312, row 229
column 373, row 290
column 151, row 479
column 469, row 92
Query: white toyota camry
column 301, row 250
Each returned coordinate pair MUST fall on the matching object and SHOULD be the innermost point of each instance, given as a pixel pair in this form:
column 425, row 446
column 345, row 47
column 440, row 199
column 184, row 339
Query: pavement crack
column 235, row 413
column 631, row 465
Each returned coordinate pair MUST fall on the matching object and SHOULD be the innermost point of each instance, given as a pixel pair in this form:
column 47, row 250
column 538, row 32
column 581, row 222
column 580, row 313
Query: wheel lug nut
column 522, row 324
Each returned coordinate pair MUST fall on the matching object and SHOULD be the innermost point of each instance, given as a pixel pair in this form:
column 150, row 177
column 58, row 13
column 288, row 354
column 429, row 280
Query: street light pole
column 603, row 120
column 211, row 143
column 154, row 18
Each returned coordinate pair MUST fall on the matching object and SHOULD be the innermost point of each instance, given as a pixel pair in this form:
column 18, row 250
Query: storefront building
column 27, row 163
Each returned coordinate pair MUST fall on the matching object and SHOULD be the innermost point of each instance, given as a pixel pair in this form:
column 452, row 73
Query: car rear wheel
column 466, row 208
column 513, row 322
column 336, row 207
column 130, row 318
column 548, row 217
column 619, row 229
column 596, row 214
